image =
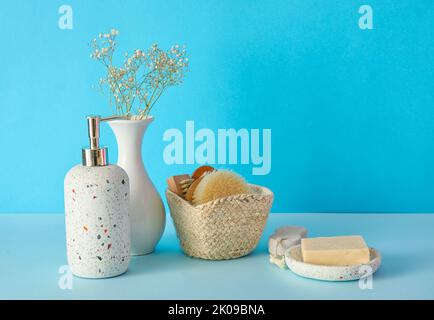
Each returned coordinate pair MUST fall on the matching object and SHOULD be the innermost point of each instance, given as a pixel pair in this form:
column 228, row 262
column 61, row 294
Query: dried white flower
column 143, row 77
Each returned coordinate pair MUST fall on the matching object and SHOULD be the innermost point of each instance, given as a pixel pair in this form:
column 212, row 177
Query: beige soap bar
column 335, row 251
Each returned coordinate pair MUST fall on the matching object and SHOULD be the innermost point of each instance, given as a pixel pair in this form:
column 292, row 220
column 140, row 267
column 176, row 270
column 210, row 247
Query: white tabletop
column 32, row 249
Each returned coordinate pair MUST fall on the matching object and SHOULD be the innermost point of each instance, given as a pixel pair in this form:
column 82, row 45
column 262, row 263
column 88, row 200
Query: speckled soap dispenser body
column 98, row 231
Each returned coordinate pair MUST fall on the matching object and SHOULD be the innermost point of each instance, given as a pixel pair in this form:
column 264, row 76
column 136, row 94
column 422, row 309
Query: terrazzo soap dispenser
column 98, row 231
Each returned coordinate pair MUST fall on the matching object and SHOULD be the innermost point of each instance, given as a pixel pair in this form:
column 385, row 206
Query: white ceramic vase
column 147, row 212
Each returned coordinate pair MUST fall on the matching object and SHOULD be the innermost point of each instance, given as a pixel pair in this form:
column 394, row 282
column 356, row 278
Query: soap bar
column 335, row 251
column 284, row 238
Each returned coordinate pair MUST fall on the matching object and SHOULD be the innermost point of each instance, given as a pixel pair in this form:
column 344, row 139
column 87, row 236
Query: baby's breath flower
column 144, row 75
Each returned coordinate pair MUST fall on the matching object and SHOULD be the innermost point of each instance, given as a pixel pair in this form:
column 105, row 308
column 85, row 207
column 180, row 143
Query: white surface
column 32, row 250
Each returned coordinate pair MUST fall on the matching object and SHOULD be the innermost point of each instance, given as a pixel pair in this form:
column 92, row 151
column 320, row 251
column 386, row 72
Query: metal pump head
column 95, row 155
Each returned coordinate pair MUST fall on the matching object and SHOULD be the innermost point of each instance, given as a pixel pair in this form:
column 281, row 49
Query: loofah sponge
column 219, row 184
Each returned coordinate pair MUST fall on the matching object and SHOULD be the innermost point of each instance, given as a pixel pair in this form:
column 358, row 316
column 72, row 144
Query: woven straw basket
column 225, row 228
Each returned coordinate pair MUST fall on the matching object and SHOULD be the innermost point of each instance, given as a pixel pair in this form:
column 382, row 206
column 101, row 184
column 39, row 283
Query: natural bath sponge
column 219, row 184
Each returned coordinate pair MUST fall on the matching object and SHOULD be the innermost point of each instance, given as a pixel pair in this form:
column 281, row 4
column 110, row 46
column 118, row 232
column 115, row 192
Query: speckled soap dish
column 294, row 261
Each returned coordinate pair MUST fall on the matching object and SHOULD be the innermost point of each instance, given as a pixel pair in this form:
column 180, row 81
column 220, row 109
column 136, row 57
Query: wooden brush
column 190, row 191
column 185, row 185
column 194, row 182
column 179, row 184
column 199, row 172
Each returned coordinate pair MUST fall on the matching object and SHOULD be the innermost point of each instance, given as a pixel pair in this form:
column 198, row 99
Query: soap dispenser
column 98, row 231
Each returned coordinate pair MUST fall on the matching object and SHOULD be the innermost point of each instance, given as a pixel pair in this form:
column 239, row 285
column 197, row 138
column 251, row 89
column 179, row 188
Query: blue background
column 351, row 110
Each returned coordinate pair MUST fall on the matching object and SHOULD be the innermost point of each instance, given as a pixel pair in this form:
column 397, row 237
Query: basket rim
column 265, row 192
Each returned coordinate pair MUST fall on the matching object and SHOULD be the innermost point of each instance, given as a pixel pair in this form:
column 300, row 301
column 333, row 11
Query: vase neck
column 129, row 137
column 129, row 147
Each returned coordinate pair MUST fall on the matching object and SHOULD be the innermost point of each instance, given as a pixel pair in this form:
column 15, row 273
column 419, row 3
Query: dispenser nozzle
column 95, row 155
column 93, row 130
